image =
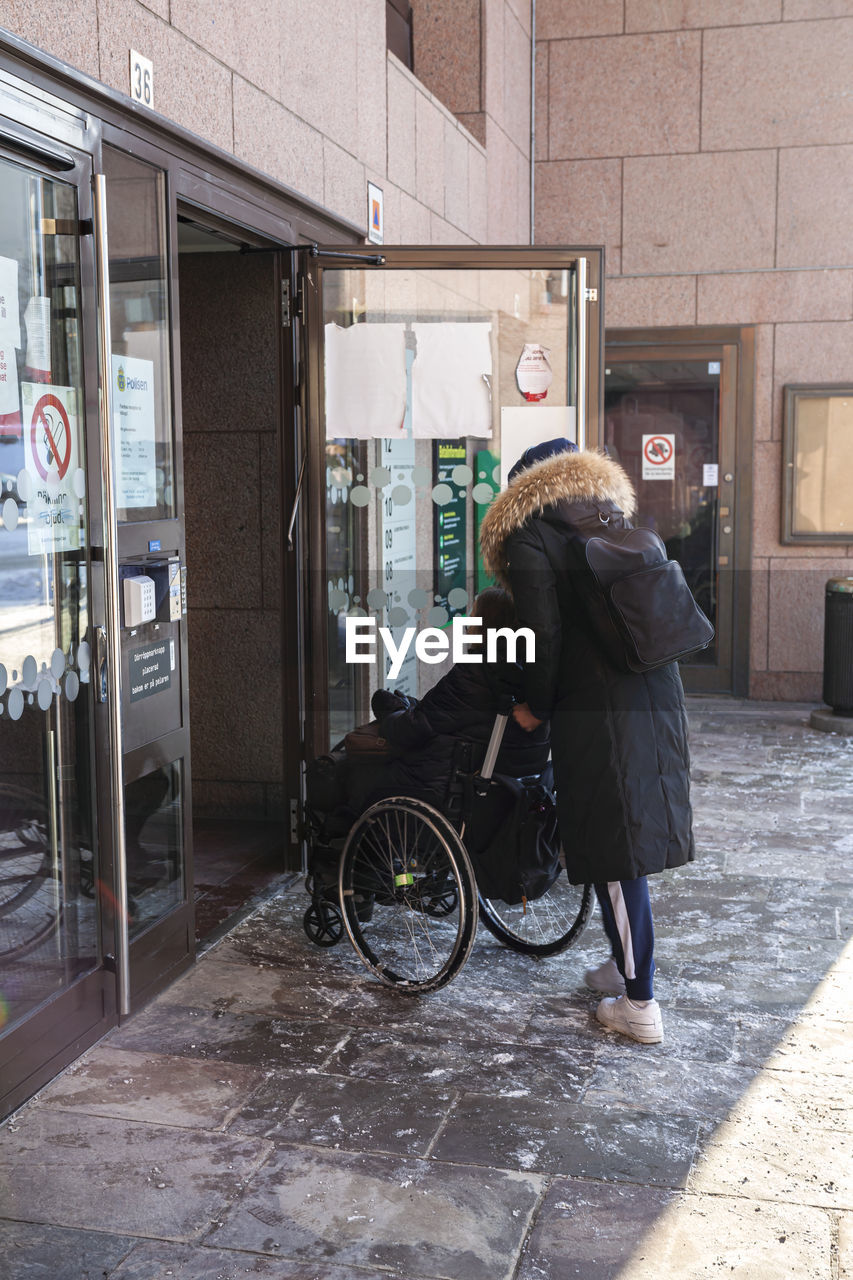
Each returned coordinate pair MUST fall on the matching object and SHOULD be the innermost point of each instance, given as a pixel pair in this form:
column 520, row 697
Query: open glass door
column 429, row 372
column 56, row 902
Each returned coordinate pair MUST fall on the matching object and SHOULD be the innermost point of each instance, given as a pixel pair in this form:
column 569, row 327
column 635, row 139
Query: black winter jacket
column 618, row 739
column 462, row 705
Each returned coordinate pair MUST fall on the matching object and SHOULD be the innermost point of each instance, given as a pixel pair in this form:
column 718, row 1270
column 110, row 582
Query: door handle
column 101, row 659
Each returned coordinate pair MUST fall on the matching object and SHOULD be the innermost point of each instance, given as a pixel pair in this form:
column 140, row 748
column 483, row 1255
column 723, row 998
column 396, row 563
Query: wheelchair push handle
column 495, row 741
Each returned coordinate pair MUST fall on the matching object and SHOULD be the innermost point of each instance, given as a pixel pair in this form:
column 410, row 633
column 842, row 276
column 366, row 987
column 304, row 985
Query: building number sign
column 141, row 79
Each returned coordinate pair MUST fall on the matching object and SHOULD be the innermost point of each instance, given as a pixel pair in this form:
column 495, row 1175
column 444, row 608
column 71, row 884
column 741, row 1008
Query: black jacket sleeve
column 534, row 589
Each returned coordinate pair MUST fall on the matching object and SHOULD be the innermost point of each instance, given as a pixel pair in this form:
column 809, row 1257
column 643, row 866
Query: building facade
column 708, row 147
column 219, row 441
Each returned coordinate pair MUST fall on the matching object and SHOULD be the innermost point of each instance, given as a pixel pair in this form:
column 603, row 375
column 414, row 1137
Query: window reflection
column 49, row 874
column 139, row 316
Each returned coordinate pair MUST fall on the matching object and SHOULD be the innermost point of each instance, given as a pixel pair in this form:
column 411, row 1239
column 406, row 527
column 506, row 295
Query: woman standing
column 618, row 738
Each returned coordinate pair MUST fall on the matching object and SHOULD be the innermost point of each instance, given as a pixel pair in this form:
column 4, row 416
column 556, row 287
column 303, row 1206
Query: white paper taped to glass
column 451, row 393
column 365, row 372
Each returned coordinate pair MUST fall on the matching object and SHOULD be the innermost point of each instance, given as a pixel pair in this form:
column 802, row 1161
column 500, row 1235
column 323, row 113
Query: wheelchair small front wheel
column 323, row 924
column 409, row 860
column 544, row 926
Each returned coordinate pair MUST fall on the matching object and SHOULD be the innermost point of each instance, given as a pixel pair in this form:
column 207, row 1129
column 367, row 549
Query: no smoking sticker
column 659, row 457
column 50, row 435
column 50, row 438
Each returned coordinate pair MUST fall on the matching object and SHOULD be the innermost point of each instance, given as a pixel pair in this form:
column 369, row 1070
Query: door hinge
column 591, row 295
column 285, row 304
column 294, row 822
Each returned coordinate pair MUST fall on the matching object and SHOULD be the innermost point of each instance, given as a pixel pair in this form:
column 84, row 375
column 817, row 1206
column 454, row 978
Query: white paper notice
column 523, row 426
column 51, row 457
column 710, row 474
column 135, row 432
column 365, row 381
column 37, row 321
column 659, row 457
column 8, row 377
column 10, row 318
column 451, row 396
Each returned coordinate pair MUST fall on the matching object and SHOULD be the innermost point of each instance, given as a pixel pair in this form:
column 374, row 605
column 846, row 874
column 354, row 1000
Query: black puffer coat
column 463, row 705
column 618, row 739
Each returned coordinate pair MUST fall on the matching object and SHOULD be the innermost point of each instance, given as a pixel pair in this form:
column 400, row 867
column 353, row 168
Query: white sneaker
column 606, row 979
column 639, row 1021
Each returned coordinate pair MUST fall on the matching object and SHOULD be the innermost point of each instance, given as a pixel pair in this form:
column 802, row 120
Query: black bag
column 325, row 787
column 637, row 600
column 512, row 838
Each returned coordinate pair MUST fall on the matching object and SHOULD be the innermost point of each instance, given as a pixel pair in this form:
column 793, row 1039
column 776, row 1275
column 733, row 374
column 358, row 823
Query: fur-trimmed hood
column 588, row 476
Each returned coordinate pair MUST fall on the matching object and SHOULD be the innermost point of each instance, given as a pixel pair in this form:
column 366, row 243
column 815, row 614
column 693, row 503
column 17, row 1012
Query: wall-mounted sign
column 141, row 79
column 375, row 214
column 50, row 452
column 450, row 523
column 151, row 669
column 133, row 415
column 659, row 457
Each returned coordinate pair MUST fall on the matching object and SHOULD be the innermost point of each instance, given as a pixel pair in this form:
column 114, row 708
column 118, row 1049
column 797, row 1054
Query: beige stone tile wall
column 306, row 91
column 708, row 145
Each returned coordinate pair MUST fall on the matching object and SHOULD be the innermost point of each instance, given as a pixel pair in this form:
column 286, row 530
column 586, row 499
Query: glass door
column 430, row 372
column 55, row 890
column 669, row 418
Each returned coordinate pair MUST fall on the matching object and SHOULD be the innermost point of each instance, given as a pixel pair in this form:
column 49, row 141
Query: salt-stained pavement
column 277, row 1113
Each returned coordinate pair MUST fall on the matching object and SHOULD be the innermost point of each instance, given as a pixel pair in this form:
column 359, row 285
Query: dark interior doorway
column 231, row 444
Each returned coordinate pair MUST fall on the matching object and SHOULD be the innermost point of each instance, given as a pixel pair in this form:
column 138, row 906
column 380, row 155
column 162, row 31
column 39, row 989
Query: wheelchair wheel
column 544, row 926
column 323, row 925
column 410, row 860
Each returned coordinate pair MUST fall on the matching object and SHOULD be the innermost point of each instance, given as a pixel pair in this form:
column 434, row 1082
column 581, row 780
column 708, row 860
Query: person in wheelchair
column 461, row 708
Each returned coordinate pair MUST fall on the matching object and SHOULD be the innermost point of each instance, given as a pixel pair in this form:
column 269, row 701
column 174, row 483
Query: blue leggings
column 627, row 915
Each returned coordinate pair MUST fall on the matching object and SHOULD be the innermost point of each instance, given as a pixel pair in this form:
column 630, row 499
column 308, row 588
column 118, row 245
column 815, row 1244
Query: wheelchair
column 399, row 881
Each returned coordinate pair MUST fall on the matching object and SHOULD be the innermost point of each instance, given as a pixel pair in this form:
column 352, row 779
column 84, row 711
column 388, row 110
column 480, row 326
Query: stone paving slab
column 707, row 1036
column 497, row 1014
column 161, row 1089
column 568, row 1138
column 340, row 1112
column 75, row 1170
column 769, row 1156
column 267, row 1043
column 741, row 988
column 595, row 1231
column 418, row 1217
column 509, row 1071
column 183, row 1262
column 845, row 1247
column 34, row 1251
column 231, row 987
column 705, row 1091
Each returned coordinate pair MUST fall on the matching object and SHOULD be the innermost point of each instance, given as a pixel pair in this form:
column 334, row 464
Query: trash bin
column 838, row 646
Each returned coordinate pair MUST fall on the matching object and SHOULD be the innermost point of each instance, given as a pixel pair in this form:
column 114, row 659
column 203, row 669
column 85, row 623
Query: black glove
column 385, row 703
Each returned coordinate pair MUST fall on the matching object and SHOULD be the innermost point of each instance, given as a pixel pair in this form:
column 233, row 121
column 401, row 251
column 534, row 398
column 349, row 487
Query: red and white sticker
column 51, row 453
column 659, row 457
column 533, row 371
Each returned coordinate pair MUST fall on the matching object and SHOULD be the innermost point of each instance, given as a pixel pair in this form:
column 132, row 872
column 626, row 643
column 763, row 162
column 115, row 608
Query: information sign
column 133, row 414
column 450, row 523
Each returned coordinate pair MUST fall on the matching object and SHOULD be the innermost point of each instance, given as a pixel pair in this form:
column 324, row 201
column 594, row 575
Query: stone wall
column 306, row 91
column 708, row 144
